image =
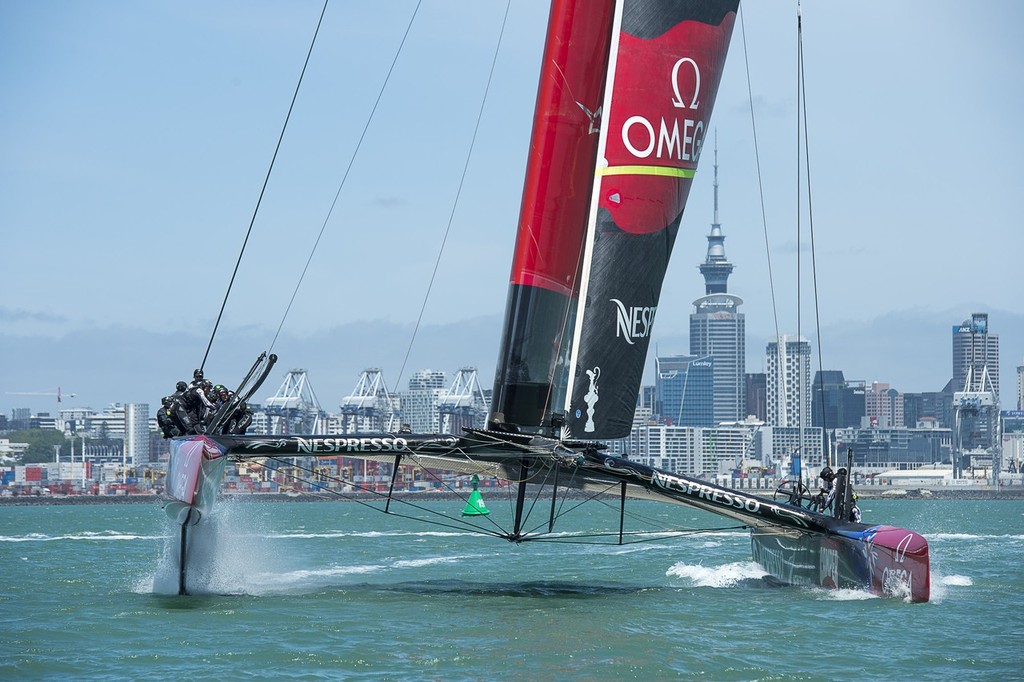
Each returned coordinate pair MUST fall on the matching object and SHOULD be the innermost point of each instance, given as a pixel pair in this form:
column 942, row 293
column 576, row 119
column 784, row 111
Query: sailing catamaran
column 626, row 94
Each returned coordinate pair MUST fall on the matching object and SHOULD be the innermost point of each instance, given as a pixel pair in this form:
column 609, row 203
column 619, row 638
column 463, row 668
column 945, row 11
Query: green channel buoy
column 475, row 506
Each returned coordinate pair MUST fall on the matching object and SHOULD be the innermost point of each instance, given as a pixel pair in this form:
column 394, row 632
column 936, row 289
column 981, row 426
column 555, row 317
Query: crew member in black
column 217, row 417
column 854, row 509
column 240, row 419
column 181, row 410
column 823, row 500
column 165, row 419
column 199, row 404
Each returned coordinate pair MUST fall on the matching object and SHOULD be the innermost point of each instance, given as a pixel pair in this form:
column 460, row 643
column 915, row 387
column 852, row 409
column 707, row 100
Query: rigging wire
column 465, row 498
column 810, row 227
column 458, row 193
column 460, row 525
column 443, row 520
column 641, row 535
column 805, row 157
column 760, row 182
column 799, row 307
column 780, row 348
column 590, row 498
column 263, row 189
column 348, row 169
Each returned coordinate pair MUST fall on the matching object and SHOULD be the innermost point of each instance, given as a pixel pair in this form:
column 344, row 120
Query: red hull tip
column 901, row 565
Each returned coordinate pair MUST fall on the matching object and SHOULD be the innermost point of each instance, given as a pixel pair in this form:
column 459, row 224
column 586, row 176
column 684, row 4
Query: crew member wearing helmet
column 240, row 420
column 826, row 493
column 181, row 414
column 202, row 395
column 165, row 419
column 218, row 396
column 854, row 509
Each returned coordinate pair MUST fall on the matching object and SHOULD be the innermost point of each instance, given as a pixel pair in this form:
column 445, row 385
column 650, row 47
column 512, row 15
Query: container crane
column 58, row 393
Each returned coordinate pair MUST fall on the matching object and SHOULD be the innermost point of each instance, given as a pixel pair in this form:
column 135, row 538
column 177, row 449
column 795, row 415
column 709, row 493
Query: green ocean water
column 335, row 590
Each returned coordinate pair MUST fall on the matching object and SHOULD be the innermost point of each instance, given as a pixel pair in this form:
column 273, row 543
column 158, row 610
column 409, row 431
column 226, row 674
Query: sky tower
column 718, row 329
column 716, row 268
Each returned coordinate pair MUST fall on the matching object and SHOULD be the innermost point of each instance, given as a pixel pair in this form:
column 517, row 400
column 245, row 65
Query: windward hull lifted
column 795, row 545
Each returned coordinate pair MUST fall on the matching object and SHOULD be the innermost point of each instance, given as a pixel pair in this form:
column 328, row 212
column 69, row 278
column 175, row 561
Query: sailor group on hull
column 200, row 407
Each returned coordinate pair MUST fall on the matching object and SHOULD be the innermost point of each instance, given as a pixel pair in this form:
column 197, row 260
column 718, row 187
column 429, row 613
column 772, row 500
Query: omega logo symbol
column 678, row 100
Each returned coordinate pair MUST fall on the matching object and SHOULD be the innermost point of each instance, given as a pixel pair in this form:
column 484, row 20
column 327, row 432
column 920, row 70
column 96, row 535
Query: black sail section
column 652, row 18
column 619, row 309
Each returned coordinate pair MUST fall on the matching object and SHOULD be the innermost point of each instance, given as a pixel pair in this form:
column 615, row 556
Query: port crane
column 58, row 394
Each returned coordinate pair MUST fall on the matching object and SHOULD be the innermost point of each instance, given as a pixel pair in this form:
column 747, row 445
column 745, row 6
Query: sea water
column 337, row 590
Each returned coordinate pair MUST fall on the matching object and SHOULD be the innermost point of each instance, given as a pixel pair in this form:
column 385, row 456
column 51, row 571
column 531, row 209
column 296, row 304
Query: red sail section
column 668, row 61
column 553, row 215
column 563, row 150
column 665, row 88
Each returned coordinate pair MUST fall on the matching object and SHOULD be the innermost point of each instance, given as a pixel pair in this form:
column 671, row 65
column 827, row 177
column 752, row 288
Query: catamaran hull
column 883, row 560
column 194, row 474
column 795, row 545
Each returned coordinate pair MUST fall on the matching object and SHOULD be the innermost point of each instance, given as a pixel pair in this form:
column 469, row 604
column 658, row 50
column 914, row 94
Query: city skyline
column 1010, row 401
column 122, row 175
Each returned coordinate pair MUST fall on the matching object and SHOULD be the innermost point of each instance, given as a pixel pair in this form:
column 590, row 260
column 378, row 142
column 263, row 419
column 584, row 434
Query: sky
column 135, row 138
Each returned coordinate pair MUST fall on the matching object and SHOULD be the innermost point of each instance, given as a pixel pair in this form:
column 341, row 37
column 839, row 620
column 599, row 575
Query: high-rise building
column 136, row 433
column 689, row 450
column 788, row 363
column 1020, row 387
column 1013, row 440
column 894, row 448
column 718, row 329
column 976, row 396
column 683, row 389
column 110, row 423
column 646, row 399
column 775, row 444
column 419, row 403
column 757, row 396
column 883, row 406
column 975, row 353
column 20, row 417
column 933, row 408
column 836, row 403
column 913, row 408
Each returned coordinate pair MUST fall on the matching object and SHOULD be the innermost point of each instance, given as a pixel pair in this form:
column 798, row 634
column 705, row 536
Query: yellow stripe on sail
column 647, row 170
